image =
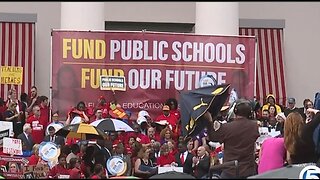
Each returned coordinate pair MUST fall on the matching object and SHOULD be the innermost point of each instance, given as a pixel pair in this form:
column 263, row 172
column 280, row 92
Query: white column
column 217, row 18
column 82, row 15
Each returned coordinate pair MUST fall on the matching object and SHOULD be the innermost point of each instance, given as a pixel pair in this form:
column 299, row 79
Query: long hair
column 292, row 131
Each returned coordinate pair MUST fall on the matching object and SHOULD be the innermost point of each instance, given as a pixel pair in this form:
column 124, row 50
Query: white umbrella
column 110, row 124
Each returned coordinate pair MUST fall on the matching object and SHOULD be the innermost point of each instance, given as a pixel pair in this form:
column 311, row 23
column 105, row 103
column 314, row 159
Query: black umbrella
column 81, row 131
column 195, row 103
column 172, row 175
column 112, row 125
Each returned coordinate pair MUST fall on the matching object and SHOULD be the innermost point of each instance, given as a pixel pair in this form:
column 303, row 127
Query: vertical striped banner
column 17, row 46
column 270, row 67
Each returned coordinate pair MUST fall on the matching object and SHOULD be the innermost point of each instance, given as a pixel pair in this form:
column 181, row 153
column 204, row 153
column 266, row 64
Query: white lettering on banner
column 186, row 51
column 138, row 50
column 144, row 78
column 186, row 78
column 180, row 80
column 131, row 105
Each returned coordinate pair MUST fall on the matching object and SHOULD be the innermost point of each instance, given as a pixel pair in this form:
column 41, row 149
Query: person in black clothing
column 292, row 107
column 239, row 138
column 298, row 138
column 184, row 158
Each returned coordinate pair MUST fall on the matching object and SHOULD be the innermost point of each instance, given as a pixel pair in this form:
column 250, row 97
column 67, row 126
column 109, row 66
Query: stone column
column 82, row 15
column 217, row 18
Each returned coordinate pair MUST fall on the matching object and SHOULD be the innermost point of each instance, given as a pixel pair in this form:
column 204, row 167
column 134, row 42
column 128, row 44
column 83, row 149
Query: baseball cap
column 143, row 113
column 141, row 119
column 165, row 108
column 291, row 100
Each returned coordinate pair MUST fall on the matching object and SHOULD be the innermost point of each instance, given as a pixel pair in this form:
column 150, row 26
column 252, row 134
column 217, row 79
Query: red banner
column 155, row 66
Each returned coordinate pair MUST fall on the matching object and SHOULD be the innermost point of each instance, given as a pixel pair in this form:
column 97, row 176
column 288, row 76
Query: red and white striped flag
column 17, row 44
column 270, row 63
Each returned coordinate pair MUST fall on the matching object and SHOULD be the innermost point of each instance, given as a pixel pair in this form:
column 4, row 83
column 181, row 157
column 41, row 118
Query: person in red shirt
column 98, row 172
column 104, row 106
column 173, row 105
column 44, row 108
column 166, row 116
column 38, row 124
column 165, row 159
column 59, row 169
column 74, row 168
column 151, row 135
column 34, row 158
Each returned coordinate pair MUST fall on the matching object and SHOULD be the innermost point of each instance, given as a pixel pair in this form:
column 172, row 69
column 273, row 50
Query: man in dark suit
column 184, row 158
column 58, row 140
column 27, row 141
column 201, row 163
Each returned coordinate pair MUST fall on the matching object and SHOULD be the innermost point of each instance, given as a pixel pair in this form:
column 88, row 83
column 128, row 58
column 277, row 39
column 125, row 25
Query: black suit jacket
column 59, row 140
column 26, row 144
column 202, row 168
column 187, row 166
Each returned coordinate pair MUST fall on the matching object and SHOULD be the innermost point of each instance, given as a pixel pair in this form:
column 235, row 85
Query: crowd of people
column 159, row 142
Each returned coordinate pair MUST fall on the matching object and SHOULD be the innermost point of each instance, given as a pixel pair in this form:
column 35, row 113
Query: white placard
column 4, row 125
column 112, row 83
column 12, row 146
column 171, row 168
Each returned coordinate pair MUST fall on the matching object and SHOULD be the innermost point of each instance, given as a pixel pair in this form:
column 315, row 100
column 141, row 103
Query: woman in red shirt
column 165, row 158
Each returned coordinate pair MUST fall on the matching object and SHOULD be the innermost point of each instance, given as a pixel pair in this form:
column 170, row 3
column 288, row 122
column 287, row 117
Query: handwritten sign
column 11, row 75
column 12, row 146
column 112, row 83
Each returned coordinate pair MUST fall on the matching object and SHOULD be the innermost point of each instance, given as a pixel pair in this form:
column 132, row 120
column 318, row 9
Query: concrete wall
column 183, row 12
column 301, row 42
column 48, row 17
column 301, row 33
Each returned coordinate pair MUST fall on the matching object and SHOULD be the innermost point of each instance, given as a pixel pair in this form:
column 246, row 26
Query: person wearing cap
column 271, row 100
column 171, row 119
column 280, row 118
column 291, row 107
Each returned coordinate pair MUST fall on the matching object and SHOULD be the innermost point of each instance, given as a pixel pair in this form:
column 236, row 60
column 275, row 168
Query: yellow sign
column 11, row 75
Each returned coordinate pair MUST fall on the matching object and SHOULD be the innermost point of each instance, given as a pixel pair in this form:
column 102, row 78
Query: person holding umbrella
column 239, row 137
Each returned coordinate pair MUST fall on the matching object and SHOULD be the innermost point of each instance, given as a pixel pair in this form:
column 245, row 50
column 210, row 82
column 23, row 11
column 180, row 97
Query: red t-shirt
column 58, row 169
column 165, row 159
column 38, row 128
column 176, row 113
column 44, row 114
column 33, row 160
column 172, row 120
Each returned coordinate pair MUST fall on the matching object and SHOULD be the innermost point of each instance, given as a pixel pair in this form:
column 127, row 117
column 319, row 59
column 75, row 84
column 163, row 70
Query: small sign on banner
column 113, row 83
column 11, row 75
column 12, row 146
